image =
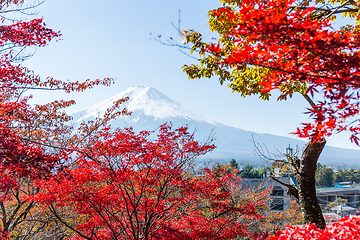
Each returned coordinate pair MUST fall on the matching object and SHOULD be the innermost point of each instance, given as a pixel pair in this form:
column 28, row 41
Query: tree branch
column 308, row 99
column 292, row 190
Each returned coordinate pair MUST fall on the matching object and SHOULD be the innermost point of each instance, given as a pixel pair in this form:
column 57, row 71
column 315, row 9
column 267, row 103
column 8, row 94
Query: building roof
column 343, row 208
column 331, row 217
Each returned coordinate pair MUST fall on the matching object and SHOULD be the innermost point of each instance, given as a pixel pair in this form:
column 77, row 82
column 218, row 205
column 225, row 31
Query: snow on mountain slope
column 150, row 108
column 146, row 101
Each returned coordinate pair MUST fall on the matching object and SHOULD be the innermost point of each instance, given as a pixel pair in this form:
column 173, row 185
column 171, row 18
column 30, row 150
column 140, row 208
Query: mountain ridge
column 150, row 108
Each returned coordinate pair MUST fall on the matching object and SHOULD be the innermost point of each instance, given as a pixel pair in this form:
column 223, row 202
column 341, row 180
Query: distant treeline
column 327, row 177
column 248, row 171
column 324, row 176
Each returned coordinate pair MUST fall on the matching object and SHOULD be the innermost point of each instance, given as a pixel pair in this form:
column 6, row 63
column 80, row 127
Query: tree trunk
column 305, row 176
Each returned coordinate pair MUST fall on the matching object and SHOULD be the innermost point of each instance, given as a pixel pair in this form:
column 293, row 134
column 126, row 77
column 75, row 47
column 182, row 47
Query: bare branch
column 337, row 8
column 172, row 43
column 292, row 190
column 263, row 153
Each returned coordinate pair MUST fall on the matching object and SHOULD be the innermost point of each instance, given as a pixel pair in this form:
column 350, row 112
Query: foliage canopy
column 267, row 45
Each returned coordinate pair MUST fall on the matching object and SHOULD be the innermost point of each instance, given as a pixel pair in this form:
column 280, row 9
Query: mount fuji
column 150, row 108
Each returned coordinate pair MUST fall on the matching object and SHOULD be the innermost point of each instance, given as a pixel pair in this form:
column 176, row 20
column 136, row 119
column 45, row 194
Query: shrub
column 345, row 228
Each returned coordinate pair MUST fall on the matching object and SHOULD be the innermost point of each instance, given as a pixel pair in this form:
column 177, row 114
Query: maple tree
column 113, row 184
column 345, row 228
column 26, row 219
column 34, row 140
column 290, row 47
column 274, row 221
column 125, row 185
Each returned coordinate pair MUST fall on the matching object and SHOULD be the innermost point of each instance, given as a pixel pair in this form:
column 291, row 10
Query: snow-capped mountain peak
column 145, row 100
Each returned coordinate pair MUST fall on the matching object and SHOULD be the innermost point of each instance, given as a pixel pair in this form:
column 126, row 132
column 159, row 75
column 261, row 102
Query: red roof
column 331, row 217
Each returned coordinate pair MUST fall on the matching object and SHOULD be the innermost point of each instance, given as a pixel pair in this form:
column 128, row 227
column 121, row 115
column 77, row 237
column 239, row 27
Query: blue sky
column 111, row 38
